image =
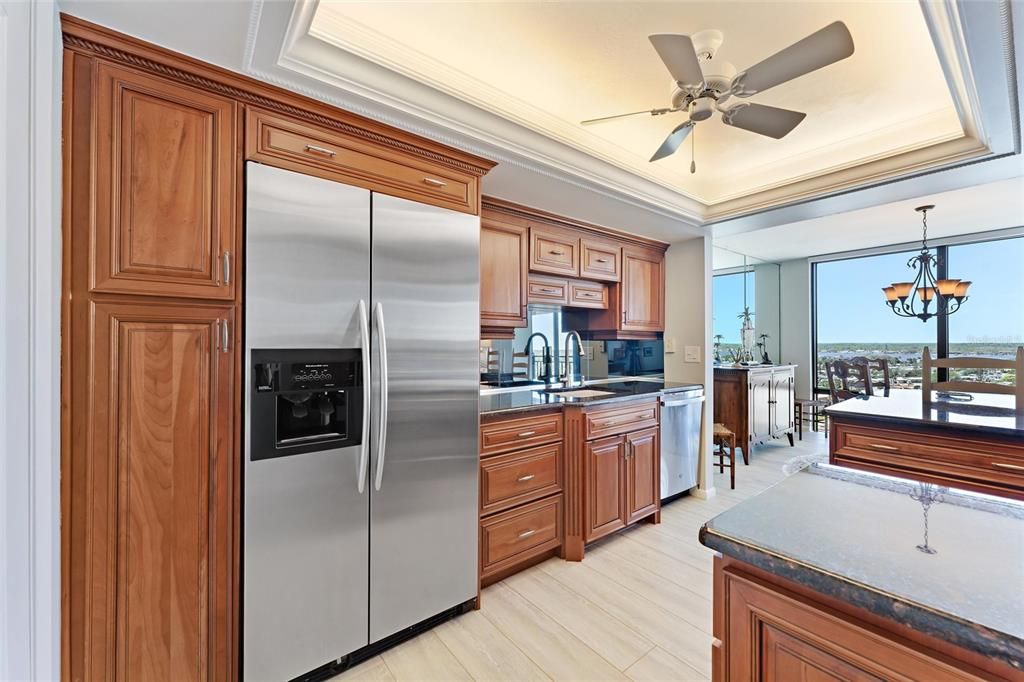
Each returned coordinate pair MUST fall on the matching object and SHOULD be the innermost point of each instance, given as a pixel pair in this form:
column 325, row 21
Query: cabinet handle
column 226, row 267
column 524, row 479
column 887, row 448
column 1004, row 465
column 601, row 260
column 225, row 336
column 320, row 150
column 549, row 291
column 524, row 434
column 433, row 182
column 556, row 253
column 527, row 533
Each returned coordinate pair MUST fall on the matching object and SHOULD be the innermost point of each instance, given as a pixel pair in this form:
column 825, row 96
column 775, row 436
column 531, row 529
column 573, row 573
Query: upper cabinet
column 612, row 283
column 163, row 187
column 503, row 254
column 554, row 251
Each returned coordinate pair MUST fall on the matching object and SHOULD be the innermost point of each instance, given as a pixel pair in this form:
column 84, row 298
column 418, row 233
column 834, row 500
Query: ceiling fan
column 703, row 83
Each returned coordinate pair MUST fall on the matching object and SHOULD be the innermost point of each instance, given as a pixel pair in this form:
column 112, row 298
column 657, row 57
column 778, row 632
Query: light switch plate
column 691, row 354
column 670, row 345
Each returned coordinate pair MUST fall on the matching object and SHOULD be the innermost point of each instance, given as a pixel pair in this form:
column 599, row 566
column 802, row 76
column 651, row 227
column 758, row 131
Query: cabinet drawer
column 515, row 434
column 304, row 148
column 554, row 252
column 991, row 467
column 517, row 477
column 600, row 261
column 516, row 535
column 588, row 295
column 632, row 416
column 548, row 290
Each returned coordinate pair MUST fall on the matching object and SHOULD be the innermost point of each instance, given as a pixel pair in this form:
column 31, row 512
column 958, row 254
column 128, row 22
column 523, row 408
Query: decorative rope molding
column 243, row 95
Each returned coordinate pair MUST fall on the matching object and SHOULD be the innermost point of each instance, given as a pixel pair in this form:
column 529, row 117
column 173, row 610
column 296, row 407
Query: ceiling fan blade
column 651, row 112
column 672, row 142
column 827, row 46
column 677, row 52
column 761, row 119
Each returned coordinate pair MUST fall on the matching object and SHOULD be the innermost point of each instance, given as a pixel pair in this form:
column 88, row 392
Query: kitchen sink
column 582, row 393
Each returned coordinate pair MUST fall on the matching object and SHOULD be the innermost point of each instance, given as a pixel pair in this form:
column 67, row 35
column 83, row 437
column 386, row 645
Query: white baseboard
column 704, row 493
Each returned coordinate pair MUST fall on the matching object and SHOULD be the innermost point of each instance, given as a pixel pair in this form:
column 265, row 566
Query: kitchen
column 339, row 392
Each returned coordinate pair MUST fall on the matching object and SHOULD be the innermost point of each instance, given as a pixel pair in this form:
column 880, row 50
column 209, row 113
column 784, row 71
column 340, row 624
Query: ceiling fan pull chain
column 693, row 150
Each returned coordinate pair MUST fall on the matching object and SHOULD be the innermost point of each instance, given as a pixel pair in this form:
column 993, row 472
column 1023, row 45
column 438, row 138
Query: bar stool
column 724, row 437
column 815, row 410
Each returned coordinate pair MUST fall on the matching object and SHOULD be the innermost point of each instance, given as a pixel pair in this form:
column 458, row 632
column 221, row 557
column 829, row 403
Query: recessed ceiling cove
column 886, row 111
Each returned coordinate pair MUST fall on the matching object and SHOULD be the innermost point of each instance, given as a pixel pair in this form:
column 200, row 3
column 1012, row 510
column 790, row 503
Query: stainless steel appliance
column 360, row 491
column 681, row 413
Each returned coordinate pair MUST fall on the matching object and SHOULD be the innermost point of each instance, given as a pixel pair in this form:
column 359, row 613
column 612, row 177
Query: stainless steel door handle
column 684, row 401
column 364, row 448
column 382, row 427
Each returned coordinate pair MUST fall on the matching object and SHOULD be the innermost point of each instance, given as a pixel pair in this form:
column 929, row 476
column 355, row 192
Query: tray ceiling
column 888, row 109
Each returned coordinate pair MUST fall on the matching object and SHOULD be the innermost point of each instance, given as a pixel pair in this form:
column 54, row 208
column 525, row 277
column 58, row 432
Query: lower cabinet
column 767, row 631
column 643, row 474
column 605, row 505
column 148, row 508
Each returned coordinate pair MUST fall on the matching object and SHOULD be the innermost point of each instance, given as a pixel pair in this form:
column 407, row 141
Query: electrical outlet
column 691, row 354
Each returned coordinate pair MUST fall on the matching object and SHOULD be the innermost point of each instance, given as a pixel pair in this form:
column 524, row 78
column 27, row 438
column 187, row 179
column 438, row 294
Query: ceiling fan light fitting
column 701, row 109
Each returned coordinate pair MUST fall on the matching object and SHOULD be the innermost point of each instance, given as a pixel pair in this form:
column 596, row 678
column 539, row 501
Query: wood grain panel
column 163, row 187
column 588, row 295
column 513, row 537
column 504, row 435
column 600, row 260
column 555, row 252
column 518, row 477
column 604, row 498
column 503, row 265
column 549, row 290
column 621, row 418
column 643, row 474
column 642, row 291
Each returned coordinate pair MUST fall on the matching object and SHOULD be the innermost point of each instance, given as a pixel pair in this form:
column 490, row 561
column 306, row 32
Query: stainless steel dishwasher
column 680, row 440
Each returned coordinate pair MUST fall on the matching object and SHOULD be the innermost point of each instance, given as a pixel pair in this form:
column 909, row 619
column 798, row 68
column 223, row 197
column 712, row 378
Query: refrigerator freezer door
column 680, row 441
column 306, row 525
column 423, row 531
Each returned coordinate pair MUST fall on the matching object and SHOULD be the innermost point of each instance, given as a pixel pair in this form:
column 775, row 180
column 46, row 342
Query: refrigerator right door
column 423, row 498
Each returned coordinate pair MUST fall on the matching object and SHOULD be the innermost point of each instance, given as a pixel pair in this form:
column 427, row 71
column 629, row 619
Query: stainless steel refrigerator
column 360, row 489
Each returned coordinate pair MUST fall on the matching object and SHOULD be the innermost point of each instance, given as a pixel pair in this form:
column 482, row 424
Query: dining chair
column 968, row 362
column 847, row 380
column 878, row 369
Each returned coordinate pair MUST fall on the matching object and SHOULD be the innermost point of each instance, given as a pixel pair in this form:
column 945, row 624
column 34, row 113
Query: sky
column 851, row 308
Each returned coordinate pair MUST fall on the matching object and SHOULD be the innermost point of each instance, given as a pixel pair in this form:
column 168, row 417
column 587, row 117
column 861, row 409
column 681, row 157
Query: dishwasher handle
column 684, row 401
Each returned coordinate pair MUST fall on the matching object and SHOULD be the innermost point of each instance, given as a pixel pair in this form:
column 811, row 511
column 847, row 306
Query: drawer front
column 600, row 261
column 513, row 536
column 518, row 477
column 321, row 152
column 554, row 252
column 995, row 468
column 588, row 295
column 516, row 434
column 548, row 290
column 632, row 416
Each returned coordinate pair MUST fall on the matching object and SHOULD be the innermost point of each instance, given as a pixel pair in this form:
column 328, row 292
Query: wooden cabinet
column 554, row 251
column 755, row 403
column 164, row 186
column 642, row 291
column 521, row 482
column 587, row 295
column 967, row 459
column 548, row 290
column 503, row 294
column 643, row 474
column 773, row 630
column 605, row 510
column 599, row 260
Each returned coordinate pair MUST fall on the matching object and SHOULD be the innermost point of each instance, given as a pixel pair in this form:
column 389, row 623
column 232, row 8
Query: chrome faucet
column 568, row 381
column 546, row 376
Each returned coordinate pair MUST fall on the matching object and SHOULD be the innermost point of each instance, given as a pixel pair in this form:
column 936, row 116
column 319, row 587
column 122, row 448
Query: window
column 727, row 304
column 850, row 318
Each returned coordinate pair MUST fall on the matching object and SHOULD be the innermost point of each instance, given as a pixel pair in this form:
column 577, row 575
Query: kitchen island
column 836, row 570
column 972, row 440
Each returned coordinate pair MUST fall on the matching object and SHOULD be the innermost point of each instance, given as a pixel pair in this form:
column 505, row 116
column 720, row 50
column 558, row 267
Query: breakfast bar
column 972, row 441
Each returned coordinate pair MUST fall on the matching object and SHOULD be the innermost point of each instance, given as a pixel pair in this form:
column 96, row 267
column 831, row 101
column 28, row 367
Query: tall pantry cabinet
column 153, row 150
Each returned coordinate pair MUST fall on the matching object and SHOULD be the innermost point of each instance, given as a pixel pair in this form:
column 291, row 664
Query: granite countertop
column 983, row 412
column 855, row 536
column 527, row 400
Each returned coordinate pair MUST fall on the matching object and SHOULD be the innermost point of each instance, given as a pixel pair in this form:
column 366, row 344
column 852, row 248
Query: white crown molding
column 342, row 77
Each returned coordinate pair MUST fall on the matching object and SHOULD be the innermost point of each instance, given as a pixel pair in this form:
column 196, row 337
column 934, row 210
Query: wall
column 688, row 322
column 29, row 345
column 795, row 321
column 767, row 311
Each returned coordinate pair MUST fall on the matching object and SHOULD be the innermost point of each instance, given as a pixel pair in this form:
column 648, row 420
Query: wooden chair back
column 876, row 367
column 847, row 380
column 966, row 362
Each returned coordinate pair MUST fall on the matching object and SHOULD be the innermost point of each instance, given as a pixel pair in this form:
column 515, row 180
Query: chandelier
column 913, row 299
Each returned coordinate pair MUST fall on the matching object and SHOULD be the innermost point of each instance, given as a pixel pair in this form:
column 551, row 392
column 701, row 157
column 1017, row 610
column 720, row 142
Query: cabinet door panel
column 604, row 499
column 554, row 252
column 503, row 253
column 159, row 489
column 759, row 406
column 782, row 402
column 643, row 290
column 164, row 187
column 600, row 260
column 643, row 486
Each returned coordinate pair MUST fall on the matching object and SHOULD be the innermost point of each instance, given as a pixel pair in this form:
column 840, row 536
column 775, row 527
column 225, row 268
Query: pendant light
column 916, row 297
